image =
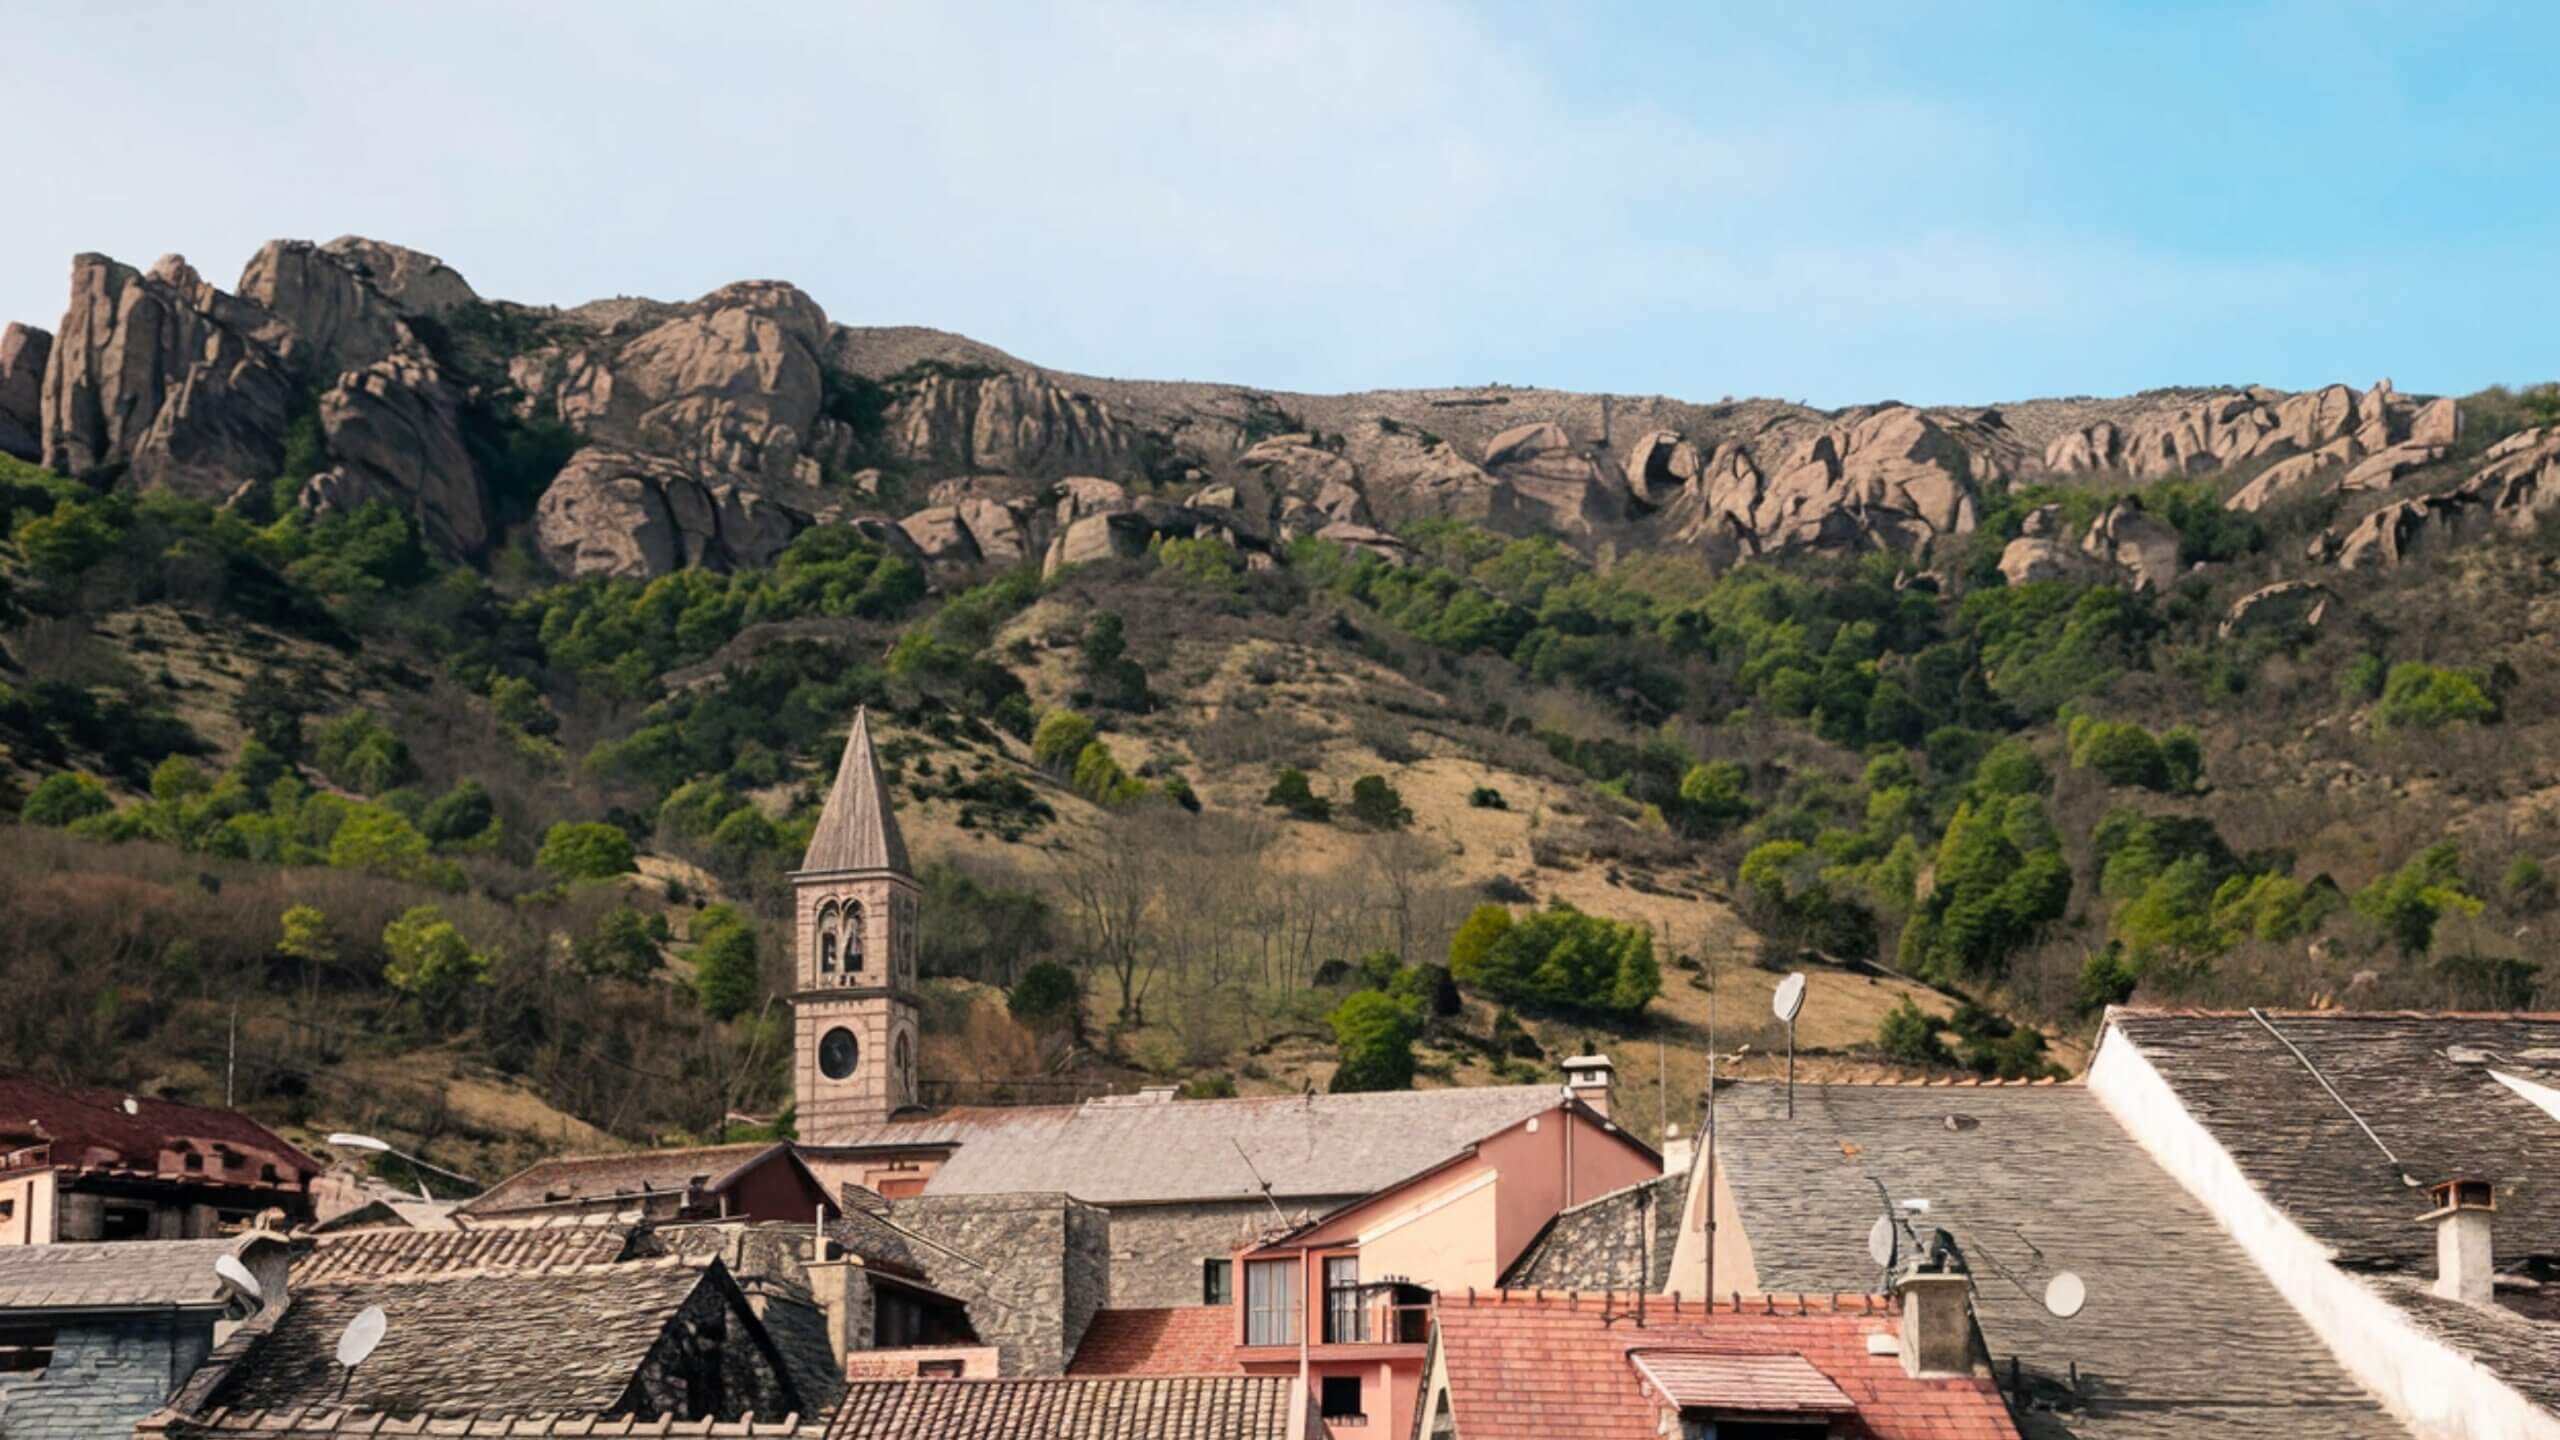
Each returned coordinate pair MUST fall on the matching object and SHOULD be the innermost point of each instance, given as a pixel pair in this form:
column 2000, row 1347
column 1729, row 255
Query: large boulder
column 1661, row 465
column 621, row 513
column 2295, row 476
column 1082, row 495
column 23, row 349
column 345, row 305
column 164, row 379
column 1553, row 483
column 1113, row 535
column 2286, row 605
column 2144, row 548
column 1407, row 474
column 394, row 432
column 1893, row 478
column 2043, row 552
column 2518, row 480
column 941, row 536
column 1011, row 422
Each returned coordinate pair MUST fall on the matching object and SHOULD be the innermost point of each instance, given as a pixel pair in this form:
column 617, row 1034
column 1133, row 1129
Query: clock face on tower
column 838, row 1053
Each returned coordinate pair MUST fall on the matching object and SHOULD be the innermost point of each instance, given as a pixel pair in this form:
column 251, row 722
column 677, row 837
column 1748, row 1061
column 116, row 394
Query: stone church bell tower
column 854, row 943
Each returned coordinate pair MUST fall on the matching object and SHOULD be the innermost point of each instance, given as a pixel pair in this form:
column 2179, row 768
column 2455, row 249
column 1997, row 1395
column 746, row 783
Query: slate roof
column 2424, row 1082
column 117, row 1275
column 858, row 829
column 1175, row 1340
column 1534, row 1367
column 1227, row 1407
column 1120, row 1152
column 2182, row 1335
column 401, row 1254
column 568, row 1179
column 92, row 1129
column 2522, row 1352
column 1602, row 1242
column 546, row 1343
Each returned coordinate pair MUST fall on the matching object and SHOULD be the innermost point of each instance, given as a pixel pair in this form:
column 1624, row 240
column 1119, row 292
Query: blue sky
column 1934, row 202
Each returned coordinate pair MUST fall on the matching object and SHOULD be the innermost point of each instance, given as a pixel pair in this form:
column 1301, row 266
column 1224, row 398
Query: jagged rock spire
column 858, row 830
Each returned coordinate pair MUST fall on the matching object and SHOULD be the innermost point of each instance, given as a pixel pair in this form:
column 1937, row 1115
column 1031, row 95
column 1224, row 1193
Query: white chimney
column 2462, row 1217
column 1937, row 1323
column 1589, row 1078
column 1679, row 1151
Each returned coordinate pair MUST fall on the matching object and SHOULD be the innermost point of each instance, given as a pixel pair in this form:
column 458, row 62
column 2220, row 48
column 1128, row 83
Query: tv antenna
column 357, row 1342
column 1787, row 1004
column 1265, row 1185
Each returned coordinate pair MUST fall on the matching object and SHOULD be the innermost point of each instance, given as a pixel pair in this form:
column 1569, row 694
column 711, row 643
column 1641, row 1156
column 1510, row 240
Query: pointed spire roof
column 858, row 830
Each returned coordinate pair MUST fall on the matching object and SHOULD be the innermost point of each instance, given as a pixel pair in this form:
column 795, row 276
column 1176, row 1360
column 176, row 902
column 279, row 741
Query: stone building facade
column 1033, row 1268
column 105, row 1373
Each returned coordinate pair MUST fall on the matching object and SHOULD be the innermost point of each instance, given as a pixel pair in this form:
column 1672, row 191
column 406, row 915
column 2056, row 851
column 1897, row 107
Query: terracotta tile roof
column 93, row 1129
column 2427, row 1085
column 117, row 1275
column 2182, row 1334
column 1534, row 1367
column 858, row 829
column 330, row 1422
column 550, row 1343
column 1229, row 1407
column 1781, row 1383
column 567, row 1179
column 401, row 1254
column 1330, row 1147
column 1178, row 1340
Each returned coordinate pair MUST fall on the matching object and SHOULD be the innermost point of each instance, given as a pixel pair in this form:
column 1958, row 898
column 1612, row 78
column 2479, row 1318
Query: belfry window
column 827, row 941
column 853, row 938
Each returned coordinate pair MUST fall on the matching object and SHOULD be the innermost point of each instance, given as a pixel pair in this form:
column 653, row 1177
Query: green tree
column 63, row 797
column 1048, row 993
column 1908, row 1036
column 621, row 946
column 307, row 938
column 428, row 958
column 725, row 977
column 379, row 840
column 1483, row 926
column 518, row 702
column 1715, row 795
column 1292, row 792
column 1560, row 958
column 2428, row 697
column 2172, row 920
column 1376, row 804
column 2409, row 901
column 2105, row 980
column 585, row 850
column 1373, row 1036
column 2122, row 751
column 2361, row 679
column 460, row 816
column 1061, row 737
column 741, row 836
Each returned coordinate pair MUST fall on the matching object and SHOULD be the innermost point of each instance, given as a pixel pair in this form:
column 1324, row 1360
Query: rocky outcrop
column 1368, row 541
column 1081, row 495
column 346, row 304
column 2043, row 552
column 2285, row 605
column 1012, row 422
column 165, row 380
column 1894, row 479
column 1661, row 465
column 2254, row 424
column 2383, row 469
column 1114, row 535
column 620, row 513
column 969, row 532
column 1553, row 484
column 2145, row 549
column 1406, row 475
column 2296, row 476
column 2518, row 480
column 393, row 432
column 23, row 349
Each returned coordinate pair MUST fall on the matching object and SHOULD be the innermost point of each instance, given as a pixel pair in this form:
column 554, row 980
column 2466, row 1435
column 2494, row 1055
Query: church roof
column 859, row 829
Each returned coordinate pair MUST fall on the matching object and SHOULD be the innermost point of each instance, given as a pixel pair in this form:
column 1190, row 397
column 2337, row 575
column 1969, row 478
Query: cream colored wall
column 31, row 1219
column 2436, row 1391
column 1443, row 1240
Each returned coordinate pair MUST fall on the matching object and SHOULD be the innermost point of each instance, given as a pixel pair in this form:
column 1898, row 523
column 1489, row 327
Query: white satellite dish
column 1916, row 1207
column 1789, row 1001
column 2065, row 1294
column 361, row 1335
column 1880, row 1240
column 237, row 1275
column 358, row 1142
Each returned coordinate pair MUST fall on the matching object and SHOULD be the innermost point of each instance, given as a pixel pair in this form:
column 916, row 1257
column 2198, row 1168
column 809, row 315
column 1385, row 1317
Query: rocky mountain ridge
column 709, row 433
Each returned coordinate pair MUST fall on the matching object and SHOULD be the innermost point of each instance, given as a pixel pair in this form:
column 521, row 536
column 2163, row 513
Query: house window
column 25, row 1349
column 8, row 1209
column 1344, row 1322
column 1217, row 1282
column 192, row 1161
column 938, row 1370
column 1271, row 1302
column 1342, row 1398
column 1704, row 1425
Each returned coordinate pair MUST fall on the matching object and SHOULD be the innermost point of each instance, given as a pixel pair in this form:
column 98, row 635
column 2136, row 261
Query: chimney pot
column 2465, row 1258
column 1589, row 1079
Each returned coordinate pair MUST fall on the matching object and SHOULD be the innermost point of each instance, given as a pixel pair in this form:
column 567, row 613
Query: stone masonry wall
column 1029, row 1267
column 105, row 1376
column 709, row 1365
column 1157, row 1250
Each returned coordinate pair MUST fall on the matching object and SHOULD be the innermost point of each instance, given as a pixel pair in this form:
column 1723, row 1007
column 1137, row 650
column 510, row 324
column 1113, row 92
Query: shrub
column 1376, row 804
column 1476, row 934
column 2008, row 768
column 429, row 959
column 2121, row 751
column 1291, row 792
column 2104, row 980
column 1512, row 1040
column 65, row 796
column 585, row 850
column 1485, row 797
column 622, row 945
column 2527, row 888
column 2426, row 697
column 378, row 840
column 2407, row 902
column 1712, row 794
column 1373, row 1036
column 1047, row 993
column 360, row 753
column 2361, row 680
column 724, row 962
column 1909, row 1036
column 460, row 815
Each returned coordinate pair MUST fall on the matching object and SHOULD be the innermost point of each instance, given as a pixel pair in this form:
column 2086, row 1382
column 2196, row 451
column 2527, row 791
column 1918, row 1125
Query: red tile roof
column 108, row 1130
column 1180, row 1340
column 1531, row 1367
column 1780, row 1383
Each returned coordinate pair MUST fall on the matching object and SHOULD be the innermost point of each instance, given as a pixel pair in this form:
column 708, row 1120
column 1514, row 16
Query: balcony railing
column 1374, row 1319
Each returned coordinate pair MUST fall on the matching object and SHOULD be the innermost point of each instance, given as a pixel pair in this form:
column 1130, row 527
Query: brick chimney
column 1937, row 1322
column 1589, row 1078
column 2465, row 1210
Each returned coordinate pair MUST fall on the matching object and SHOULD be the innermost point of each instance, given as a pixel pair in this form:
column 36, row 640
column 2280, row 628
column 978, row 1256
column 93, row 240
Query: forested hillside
column 445, row 687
